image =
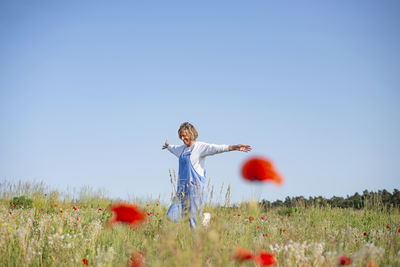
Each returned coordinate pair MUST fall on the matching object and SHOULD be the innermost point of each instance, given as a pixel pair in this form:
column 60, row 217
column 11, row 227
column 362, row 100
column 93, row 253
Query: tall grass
column 310, row 236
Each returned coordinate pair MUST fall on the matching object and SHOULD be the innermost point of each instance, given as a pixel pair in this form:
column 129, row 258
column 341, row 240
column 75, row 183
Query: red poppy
column 55, row 205
column 241, row 255
column 127, row 213
column 85, row 261
column 60, row 211
column 289, row 214
column 149, row 213
column 137, row 259
column 260, row 169
column 387, row 226
column 284, row 230
column 239, row 215
column 266, row 235
column 10, row 212
column 265, row 259
column 100, row 209
column 343, row 260
column 85, row 206
column 258, row 227
column 365, row 233
column 262, row 218
column 74, row 208
column 398, row 230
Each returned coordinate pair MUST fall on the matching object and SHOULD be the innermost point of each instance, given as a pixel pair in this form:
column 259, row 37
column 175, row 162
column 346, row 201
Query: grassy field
column 74, row 232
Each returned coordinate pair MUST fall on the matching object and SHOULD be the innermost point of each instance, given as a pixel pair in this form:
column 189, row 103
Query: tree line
column 382, row 198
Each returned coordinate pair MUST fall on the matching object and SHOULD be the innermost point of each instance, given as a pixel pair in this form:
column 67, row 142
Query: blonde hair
column 190, row 129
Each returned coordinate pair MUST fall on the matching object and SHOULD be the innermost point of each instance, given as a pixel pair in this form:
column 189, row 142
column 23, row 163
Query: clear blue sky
column 89, row 90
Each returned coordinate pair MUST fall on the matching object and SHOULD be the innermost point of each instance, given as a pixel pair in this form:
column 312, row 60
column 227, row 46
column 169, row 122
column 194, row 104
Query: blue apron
column 191, row 193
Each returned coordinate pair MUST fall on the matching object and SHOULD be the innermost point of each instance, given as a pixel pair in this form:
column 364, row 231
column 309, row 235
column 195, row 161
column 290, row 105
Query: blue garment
column 191, row 193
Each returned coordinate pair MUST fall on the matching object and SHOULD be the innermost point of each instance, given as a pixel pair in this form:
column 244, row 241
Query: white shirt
column 199, row 151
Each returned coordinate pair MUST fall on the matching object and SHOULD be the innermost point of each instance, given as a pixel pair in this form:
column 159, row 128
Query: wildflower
column 398, row 230
column 149, row 213
column 283, row 230
column 137, row 259
column 55, row 205
column 258, row 227
column 265, row 259
column 85, row 261
column 251, row 218
column 387, row 226
column 262, row 218
column 74, row 208
column 127, row 213
column 241, row 255
column 10, row 212
column 85, row 207
column 365, row 233
column 100, row 209
column 238, row 215
column 289, row 214
column 60, row 211
column 371, row 264
column 260, row 169
column 266, row 235
column 343, row 260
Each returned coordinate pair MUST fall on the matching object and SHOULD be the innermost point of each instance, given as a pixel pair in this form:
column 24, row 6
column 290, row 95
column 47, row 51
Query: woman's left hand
column 240, row 147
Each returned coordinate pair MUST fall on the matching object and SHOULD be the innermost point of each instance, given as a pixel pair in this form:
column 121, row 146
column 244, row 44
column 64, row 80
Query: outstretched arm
column 240, row 147
column 212, row 149
column 176, row 150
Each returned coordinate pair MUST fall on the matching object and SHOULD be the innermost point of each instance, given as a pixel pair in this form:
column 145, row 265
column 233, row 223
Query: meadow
column 55, row 229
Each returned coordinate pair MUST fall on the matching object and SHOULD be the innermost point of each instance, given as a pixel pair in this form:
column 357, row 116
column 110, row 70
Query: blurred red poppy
column 137, row 259
column 265, row 259
column 85, row 261
column 241, row 255
column 260, row 169
column 343, row 260
column 127, row 213
column 387, row 226
column 74, row 208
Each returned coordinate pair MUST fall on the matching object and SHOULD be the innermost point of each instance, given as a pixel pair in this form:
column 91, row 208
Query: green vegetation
column 63, row 232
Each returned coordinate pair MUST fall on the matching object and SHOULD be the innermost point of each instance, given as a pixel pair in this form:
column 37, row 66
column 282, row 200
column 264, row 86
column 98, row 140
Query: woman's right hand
column 166, row 144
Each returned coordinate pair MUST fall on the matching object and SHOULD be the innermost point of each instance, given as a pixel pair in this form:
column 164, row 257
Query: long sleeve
column 176, row 150
column 212, row 149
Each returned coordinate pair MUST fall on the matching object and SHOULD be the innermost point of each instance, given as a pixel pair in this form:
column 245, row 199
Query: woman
column 191, row 193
